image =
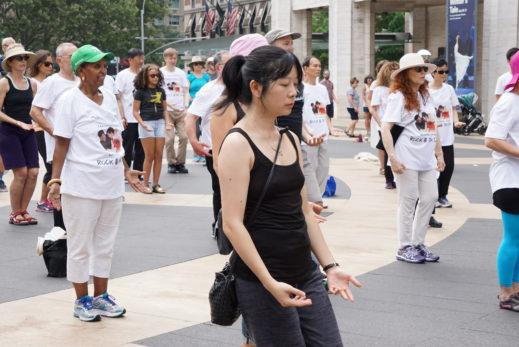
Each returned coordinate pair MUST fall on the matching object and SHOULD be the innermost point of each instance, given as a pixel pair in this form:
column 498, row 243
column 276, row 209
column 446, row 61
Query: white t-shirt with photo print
column 174, row 83
column 504, row 125
column 416, row 144
column 444, row 99
column 314, row 109
column 93, row 166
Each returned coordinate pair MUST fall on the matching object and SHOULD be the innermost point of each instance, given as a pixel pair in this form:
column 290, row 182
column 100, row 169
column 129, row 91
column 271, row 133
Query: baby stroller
column 470, row 116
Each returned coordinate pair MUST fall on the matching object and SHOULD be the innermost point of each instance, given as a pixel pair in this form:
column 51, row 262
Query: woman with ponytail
column 279, row 288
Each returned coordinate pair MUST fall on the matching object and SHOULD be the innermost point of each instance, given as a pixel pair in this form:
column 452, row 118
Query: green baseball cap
column 88, row 54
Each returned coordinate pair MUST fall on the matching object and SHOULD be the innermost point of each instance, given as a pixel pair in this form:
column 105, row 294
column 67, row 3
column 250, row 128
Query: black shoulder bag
column 224, row 245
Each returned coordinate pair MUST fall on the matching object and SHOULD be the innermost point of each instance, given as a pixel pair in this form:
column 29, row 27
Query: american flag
column 232, row 17
column 209, row 19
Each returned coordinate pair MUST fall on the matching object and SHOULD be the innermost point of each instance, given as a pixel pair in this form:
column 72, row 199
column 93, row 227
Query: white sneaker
column 106, row 306
column 84, row 311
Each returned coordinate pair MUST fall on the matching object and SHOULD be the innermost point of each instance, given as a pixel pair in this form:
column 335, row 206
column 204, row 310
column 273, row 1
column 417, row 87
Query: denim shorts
column 158, row 126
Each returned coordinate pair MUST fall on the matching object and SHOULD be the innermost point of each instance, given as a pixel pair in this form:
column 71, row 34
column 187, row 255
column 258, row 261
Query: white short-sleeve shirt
column 444, row 99
column 93, row 167
column 202, row 107
column 502, row 81
column 174, row 83
column 415, row 146
column 504, row 125
column 47, row 95
column 125, row 87
column 379, row 98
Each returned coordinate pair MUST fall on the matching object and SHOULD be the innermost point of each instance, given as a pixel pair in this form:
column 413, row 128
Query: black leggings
column 445, row 177
column 388, row 173
column 40, row 140
column 133, row 150
column 217, row 204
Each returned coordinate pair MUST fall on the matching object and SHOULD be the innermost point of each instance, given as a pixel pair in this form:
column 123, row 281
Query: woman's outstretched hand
column 339, row 283
column 132, row 177
column 288, row 296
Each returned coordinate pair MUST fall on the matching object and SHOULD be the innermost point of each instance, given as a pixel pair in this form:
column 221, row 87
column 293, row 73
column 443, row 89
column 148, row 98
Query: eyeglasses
column 47, row 63
column 441, row 72
column 154, row 75
column 21, row 57
column 421, row 68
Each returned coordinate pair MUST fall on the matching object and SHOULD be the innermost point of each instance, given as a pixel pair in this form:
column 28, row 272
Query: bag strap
column 271, row 173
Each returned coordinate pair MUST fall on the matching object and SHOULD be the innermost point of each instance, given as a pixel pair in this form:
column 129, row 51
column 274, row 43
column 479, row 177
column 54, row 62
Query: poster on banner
column 461, row 44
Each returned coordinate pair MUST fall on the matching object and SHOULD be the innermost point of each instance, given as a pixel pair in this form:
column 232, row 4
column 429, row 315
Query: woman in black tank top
column 279, row 288
column 17, row 139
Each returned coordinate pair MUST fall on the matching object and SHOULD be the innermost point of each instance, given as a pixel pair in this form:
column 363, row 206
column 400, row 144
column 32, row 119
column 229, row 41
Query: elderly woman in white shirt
column 89, row 170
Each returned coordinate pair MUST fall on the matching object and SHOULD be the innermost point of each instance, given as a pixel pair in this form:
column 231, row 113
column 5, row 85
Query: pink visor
column 246, row 44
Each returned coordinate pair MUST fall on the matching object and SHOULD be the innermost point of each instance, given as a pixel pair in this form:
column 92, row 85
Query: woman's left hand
column 339, row 283
column 459, row 124
column 441, row 163
column 25, row 126
column 132, row 177
column 169, row 126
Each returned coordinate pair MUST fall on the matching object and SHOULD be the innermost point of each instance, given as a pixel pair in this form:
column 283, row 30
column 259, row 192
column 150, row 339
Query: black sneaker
column 172, row 169
column 181, row 169
column 511, row 304
column 433, row 223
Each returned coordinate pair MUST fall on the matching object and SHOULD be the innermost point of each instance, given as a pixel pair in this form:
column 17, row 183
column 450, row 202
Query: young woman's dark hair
column 264, row 65
column 141, row 80
column 41, row 58
column 439, row 62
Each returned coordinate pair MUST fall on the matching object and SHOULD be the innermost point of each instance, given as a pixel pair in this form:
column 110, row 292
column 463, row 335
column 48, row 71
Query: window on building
column 174, row 4
column 174, row 20
column 193, row 4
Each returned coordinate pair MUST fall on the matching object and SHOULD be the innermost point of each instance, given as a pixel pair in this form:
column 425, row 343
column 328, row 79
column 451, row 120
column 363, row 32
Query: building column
column 500, row 33
column 351, row 45
column 302, row 23
column 416, row 24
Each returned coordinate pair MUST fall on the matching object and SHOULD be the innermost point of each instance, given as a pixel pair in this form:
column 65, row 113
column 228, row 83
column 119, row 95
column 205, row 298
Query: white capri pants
column 91, row 230
column 316, row 165
column 415, row 185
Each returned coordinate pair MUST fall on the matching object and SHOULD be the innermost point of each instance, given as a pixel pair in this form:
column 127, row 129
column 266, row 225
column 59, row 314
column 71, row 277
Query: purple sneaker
column 410, row 254
column 426, row 252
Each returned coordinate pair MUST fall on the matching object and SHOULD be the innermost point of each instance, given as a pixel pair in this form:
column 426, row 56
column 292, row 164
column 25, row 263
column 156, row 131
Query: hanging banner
column 461, row 44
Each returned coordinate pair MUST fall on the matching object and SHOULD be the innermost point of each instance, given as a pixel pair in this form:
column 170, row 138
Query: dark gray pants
column 270, row 324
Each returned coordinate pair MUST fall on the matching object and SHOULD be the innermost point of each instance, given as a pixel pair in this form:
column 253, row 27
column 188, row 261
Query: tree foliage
column 111, row 25
column 389, row 22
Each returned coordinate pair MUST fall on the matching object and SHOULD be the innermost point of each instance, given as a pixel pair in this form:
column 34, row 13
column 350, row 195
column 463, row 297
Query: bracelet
column 52, row 181
column 329, row 266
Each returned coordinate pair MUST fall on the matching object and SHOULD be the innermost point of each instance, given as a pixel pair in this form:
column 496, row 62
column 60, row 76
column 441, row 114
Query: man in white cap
column 282, row 38
column 209, row 68
column 426, row 55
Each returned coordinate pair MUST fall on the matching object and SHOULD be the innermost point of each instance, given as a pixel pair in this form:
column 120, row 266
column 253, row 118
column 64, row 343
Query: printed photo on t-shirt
column 318, row 108
column 110, row 139
column 424, row 123
column 443, row 117
column 173, row 87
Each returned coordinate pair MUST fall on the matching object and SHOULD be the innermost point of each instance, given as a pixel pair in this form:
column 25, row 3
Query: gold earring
column 83, row 78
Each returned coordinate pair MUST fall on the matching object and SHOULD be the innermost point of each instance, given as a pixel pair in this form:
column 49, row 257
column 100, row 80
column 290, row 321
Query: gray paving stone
column 473, row 181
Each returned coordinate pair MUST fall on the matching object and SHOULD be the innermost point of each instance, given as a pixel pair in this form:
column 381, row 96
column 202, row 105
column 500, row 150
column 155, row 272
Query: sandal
column 17, row 221
column 31, row 220
column 147, row 189
column 158, row 189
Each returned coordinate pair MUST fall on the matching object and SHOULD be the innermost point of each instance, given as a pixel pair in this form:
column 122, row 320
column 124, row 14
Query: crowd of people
column 260, row 120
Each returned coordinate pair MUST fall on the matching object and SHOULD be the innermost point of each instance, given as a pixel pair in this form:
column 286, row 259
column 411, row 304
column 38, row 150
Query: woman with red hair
column 415, row 153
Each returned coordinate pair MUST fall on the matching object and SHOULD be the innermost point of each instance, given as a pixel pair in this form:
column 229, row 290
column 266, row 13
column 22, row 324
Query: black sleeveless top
column 17, row 103
column 279, row 229
column 239, row 111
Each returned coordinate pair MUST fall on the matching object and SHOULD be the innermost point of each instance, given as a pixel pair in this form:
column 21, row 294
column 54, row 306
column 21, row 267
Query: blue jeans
column 270, row 324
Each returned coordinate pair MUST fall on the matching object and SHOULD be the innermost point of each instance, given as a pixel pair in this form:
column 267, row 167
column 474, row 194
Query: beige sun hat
column 411, row 60
column 14, row 50
column 196, row 59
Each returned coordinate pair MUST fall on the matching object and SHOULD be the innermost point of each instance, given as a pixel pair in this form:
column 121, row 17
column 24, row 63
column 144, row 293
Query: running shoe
column 443, row 202
column 106, row 306
column 84, row 310
column 410, row 254
column 44, row 207
column 181, row 168
column 390, row 185
column 433, row 223
column 511, row 304
column 197, row 158
column 426, row 252
column 3, row 187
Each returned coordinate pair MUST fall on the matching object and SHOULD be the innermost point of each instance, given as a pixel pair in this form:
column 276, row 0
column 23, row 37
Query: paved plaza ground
column 165, row 262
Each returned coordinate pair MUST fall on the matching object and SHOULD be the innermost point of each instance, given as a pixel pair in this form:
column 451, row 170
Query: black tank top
column 279, row 229
column 239, row 111
column 17, row 103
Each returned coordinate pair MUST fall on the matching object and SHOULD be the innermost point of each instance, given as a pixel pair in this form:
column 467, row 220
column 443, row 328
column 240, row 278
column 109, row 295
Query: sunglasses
column 154, row 75
column 421, row 68
column 441, row 72
column 197, row 63
column 47, row 63
column 21, row 57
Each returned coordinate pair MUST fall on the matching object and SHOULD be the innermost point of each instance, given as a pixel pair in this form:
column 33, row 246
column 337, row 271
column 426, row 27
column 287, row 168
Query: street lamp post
column 142, row 25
